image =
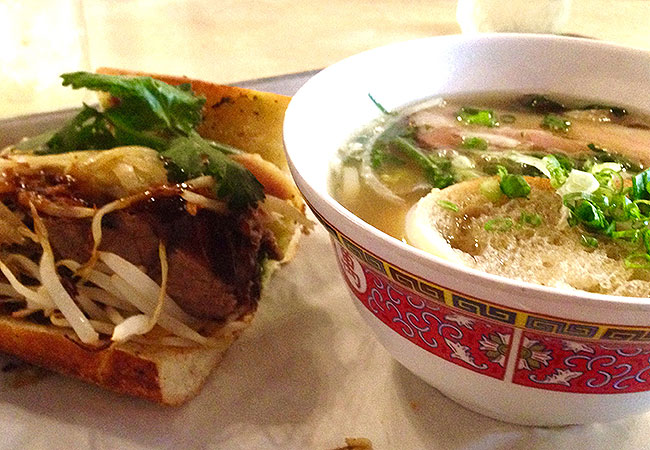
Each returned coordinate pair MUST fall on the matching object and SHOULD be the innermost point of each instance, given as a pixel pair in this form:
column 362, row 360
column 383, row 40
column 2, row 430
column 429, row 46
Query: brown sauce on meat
column 214, row 259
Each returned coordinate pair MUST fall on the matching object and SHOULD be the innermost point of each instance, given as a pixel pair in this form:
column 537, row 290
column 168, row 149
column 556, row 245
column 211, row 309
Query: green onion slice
column 556, row 123
column 499, row 224
column 446, row 204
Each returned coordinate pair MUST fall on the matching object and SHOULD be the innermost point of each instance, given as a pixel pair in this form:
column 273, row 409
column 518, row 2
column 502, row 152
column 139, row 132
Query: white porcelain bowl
column 511, row 350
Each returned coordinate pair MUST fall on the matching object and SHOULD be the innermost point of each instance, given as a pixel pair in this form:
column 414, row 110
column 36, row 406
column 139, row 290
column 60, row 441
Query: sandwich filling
column 112, row 238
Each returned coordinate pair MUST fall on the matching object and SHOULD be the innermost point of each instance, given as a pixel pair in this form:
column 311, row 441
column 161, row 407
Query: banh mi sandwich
column 135, row 240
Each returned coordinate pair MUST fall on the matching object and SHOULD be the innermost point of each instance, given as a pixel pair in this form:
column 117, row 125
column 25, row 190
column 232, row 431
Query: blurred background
column 228, row 41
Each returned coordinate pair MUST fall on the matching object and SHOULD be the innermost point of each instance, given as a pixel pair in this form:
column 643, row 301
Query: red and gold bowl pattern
column 515, row 346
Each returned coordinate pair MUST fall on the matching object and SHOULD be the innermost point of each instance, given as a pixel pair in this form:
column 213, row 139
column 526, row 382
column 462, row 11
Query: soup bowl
column 508, row 349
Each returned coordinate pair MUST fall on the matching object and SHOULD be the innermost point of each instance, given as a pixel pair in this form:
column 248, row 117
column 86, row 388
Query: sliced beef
column 214, row 260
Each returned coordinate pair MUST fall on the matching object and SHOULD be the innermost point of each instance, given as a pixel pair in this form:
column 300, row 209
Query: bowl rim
column 298, row 102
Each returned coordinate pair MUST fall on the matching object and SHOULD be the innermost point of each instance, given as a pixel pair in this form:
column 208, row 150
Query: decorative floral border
column 478, row 345
column 581, row 366
column 492, row 348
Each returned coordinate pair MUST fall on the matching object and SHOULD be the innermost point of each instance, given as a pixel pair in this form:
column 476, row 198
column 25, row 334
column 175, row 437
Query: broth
column 388, row 166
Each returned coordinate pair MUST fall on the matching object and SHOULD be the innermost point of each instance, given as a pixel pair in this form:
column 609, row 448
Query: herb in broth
column 558, row 172
column 475, row 116
column 556, row 123
column 437, row 170
column 397, row 147
column 410, row 151
column 474, row 143
column 512, row 186
column 616, row 111
column 529, row 219
column 542, row 104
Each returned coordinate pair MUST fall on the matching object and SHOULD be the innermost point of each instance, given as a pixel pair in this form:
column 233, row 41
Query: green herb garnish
column 491, row 190
column 588, row 213
column 474, row 143
column 379, row 106
column 164, row 117
column 474, row 116
column 556, row 123
column 512, row 186
column 532, row 219
column 500, row 224
column 144, row 104
column 640, row 186
column 446, row 204
column 557, row 171
column 88, row 130
column 615, row 212
column 192, row 156
column 380, row 154
column 436, row 170
column 588, row 241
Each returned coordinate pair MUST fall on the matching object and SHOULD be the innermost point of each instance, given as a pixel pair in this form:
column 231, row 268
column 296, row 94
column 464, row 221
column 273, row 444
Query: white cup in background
column 521, row 16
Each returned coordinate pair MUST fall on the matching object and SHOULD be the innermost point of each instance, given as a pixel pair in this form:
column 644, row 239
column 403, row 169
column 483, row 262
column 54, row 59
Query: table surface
column 231, row 40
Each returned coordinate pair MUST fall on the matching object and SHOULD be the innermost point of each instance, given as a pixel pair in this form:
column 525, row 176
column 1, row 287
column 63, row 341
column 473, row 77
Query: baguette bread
column 549, row 252
column 145, row 368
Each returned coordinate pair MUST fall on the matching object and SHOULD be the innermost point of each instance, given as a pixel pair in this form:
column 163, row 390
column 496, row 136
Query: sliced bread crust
column 167, row 375
column 549, row 253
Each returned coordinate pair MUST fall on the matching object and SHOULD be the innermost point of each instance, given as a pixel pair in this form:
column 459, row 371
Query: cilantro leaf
column 192, row 156
column 475, row 143
column 144, row 103
column 154, row 114
column 88, row 130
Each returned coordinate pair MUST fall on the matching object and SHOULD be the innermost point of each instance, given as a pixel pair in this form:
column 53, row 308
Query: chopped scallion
column 474, row 143
column 500, row 224
column 379, row 106
column 556, row 123
column 446, row 204
column 588, row 241
column 558, row 173
column 532, row 219
column 640, row 186
column 590, row 214
column 474, row 116
column 512, row 186
column 491, row 190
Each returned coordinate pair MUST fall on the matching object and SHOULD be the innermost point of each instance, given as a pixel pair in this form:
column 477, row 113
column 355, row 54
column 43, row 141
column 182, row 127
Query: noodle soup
column 389, row 165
